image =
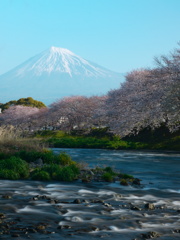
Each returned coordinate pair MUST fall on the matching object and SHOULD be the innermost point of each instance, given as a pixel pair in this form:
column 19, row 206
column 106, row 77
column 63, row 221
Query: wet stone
column 63, row 211
column 150, row 235
column 6, row 196
column 77, row 201
column 15, row 235
column 149, row 206
column 107, row 205
column 44, row 197
column 41, row 227
column 35, row 199
column 95, row 228
column 2, row 215
column 176, row 231
column 135, row 208
column 97, row 201
column 52, row 202
column 32, row 230
column 136, row 181
column 64, row 227
column 86, row 180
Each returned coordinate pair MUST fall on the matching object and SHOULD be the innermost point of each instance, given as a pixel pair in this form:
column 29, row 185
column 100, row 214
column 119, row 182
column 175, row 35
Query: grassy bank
column 59, row 139
column 23, row 159
column 29, row 159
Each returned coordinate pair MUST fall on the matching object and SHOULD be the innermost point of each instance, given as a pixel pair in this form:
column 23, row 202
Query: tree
column 30, row 102
column 77, row 112
column 148, row 98
column 20, row 116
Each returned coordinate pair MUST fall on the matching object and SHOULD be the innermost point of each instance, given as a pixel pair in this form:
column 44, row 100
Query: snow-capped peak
column 60, row 50
column 55, row 73
column 61, row 60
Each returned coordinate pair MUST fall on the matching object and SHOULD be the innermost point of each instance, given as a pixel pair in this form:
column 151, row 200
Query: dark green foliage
column 93, row 142
column 100, row 133
column 17, row 165
column 47, row 156
column 158, row 138
column 149, row 135
column 108, row 177
column 29, row 156
column 126, row 176
column 51, row 169
column 4, row 156
column 41, row 175
column 29, row 102
column 75, row 169
column 108, row 174
column 109, row 170
column 9, row 174
column 65, row 159
column 56, row 172
column 66, row 174
column 79, row 142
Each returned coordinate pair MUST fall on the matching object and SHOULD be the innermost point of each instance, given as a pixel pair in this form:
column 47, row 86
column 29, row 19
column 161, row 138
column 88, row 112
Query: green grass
column 159, row 139
column 15, row 167
column 93, row 142
column 16, row 154
column 117, row 144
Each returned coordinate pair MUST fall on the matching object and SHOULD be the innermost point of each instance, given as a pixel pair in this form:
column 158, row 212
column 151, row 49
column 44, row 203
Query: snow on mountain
column 55, row 73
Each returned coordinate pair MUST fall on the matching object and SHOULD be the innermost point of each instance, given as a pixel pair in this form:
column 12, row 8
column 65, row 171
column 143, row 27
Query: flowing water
column 46, row 210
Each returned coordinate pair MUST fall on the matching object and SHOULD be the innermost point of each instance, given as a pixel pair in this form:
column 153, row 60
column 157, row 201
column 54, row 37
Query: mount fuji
column 55, row 73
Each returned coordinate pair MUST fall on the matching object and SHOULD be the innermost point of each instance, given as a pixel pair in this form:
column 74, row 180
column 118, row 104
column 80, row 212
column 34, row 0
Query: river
column 46, row 210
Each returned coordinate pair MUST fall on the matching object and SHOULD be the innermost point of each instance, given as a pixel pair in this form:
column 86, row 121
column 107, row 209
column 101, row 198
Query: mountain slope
column 55, row 73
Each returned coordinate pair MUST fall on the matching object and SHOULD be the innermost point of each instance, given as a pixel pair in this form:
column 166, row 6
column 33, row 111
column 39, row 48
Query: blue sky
column 120, row 35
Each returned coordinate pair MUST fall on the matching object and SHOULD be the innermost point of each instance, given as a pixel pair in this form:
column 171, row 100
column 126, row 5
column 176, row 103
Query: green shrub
column 75, row 169
column 48, row 157
column 9, row 174
column 41, row 176
column 28, row 156
column 17, row 165
column 67, row 174
column 52, row 169
column 107, row 177
column 109, row 170
column 56, row 172
column 64, row 159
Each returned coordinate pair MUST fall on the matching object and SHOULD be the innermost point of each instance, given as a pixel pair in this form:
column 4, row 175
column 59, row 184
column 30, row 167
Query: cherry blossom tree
column 77, row 112
column 148, row 98
column 20, row 116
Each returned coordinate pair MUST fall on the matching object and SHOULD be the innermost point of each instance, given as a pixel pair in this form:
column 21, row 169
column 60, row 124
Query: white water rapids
column 105, row 210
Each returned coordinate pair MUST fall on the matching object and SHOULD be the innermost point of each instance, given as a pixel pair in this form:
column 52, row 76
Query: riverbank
column 101, row 140
column 22, row 161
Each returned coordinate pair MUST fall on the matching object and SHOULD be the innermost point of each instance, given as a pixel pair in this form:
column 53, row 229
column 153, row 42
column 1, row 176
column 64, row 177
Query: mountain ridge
column 57, row 72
